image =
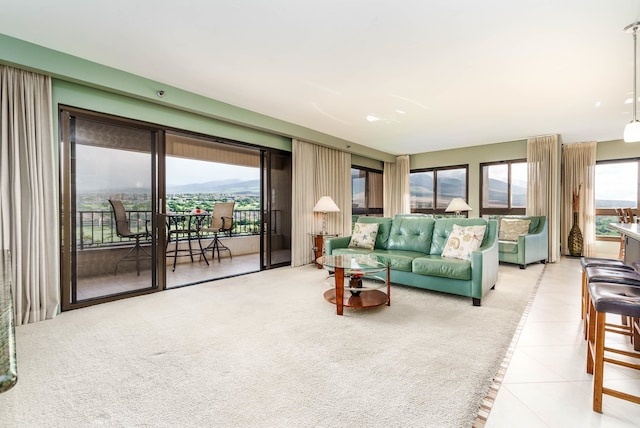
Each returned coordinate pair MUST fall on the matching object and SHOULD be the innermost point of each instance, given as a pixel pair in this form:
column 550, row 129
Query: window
column 616, row 186
column 366, row 187
column 503, row 187
column 433, row 188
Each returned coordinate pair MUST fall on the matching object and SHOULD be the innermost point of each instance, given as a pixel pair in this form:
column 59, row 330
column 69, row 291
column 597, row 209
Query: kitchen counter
column 8, row 368
column 631, row 235
column 628, row 229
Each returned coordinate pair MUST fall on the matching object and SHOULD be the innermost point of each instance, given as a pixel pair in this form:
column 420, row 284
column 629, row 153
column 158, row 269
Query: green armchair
column 524, row 248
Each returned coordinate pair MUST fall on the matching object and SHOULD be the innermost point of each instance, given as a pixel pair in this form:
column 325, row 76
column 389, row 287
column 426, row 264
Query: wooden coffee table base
column 366, row 299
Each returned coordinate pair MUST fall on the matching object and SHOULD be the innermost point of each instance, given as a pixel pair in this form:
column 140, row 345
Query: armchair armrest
column 227, row 223
column 534, row 246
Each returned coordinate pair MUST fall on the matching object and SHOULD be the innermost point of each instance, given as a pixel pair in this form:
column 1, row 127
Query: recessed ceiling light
column 598, row 104
column 400, row 111
column 372, row 118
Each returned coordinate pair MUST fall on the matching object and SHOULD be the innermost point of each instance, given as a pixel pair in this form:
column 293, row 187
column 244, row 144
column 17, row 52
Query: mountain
column 235, row 186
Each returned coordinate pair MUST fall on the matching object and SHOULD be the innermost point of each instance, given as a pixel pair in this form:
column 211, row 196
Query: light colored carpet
column 266, row 350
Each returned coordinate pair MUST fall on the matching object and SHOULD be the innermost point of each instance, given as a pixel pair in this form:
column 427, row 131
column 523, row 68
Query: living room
column 90, row 86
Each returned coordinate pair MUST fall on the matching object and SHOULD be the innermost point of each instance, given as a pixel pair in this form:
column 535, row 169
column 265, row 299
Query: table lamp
column 325, row 205
column 457, row 205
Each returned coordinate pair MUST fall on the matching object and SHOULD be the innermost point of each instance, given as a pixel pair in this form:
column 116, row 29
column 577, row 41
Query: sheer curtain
column 396, row 187
column 28, row 200
column 543, row 185
column 578, row 172
column 318, row 171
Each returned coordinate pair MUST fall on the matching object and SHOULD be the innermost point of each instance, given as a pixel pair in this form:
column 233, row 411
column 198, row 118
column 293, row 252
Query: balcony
column 98, row 249
column 97, row 229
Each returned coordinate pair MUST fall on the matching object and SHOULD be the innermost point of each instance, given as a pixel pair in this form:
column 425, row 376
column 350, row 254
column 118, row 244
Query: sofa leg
column 476, row 301
column 494, row 287
column 523, row 266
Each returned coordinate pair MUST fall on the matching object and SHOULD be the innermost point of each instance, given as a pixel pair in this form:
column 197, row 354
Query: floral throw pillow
column 462, row 241
column 364, row 235
column 511, row 228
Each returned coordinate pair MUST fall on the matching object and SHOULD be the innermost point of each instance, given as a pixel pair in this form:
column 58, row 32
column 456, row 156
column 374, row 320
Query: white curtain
column 28, row 201
column 397, row 193
column 544, row 184
column 578, row 174
column 318, row 171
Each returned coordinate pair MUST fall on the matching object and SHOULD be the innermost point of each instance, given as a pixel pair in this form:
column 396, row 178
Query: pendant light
column 632, row 130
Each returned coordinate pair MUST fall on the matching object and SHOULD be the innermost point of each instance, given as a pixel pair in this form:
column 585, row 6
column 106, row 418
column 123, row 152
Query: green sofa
column 527, row 248
column 412, row 245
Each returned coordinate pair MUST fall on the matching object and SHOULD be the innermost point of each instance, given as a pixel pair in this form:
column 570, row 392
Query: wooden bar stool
column 596, row 262
column 617, row 275
column 609, row 299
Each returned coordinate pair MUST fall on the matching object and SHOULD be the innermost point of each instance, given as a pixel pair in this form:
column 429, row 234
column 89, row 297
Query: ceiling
column 438, row 74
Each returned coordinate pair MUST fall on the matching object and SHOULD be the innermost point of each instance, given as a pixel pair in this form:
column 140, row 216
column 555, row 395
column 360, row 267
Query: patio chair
column 221, row 222
column 123, row 231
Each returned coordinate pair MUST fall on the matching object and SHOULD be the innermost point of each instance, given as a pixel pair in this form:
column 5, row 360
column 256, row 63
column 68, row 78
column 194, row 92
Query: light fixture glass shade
column 326, row 205
column 632, row 132
column 456, row 205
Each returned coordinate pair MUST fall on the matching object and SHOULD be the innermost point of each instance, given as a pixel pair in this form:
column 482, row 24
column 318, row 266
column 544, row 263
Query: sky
column 617, row 181
column 99, row 168
column 186, row 171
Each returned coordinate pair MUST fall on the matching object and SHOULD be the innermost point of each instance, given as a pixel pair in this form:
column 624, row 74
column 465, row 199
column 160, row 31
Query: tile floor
column 545, row 383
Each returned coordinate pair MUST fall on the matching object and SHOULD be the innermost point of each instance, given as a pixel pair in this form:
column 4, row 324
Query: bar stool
column 612, row 276
column 596, row 262
column 606, row 298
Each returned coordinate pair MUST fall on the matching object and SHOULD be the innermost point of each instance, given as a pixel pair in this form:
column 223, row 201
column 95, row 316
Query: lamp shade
column 632, row 132
column 457, row 205
column 326, row 205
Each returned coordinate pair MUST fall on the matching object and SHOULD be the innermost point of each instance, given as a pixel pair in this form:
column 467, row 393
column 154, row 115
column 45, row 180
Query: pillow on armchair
column 364, row 235
column 511, row 228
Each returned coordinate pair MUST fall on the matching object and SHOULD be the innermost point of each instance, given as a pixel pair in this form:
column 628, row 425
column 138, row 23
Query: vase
column 575, row 238
column 355, row 282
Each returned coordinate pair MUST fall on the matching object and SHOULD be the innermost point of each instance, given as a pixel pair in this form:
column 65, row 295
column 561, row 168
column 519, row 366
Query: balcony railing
column 97, row 229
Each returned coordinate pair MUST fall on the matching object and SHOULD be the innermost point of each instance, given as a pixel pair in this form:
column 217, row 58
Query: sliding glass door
column 109, row 224
column 276, row 190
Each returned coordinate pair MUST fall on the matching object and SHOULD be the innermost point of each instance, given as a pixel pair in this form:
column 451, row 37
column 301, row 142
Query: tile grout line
column 490, row 398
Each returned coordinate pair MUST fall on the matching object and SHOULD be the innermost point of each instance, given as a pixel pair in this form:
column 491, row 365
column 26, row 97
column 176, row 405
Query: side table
column 318, row 245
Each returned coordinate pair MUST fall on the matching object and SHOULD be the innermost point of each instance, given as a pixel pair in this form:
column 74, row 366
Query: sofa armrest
column 333, row 243
column 484, row 263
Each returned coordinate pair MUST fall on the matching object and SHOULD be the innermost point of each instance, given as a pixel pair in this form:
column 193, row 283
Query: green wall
column 76, row 95
column 617, row 149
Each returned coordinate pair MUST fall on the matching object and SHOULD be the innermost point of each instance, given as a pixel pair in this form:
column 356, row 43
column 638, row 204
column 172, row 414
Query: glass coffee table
column 363, row 287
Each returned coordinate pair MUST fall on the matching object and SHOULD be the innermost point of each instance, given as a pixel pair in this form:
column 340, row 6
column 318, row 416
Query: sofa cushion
column 508, row 247
column 411, row 234
column 462, row 241
column 384, row 228
column 442, row 267
column 397, row 259
column 364, row 235
column 511, row 228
